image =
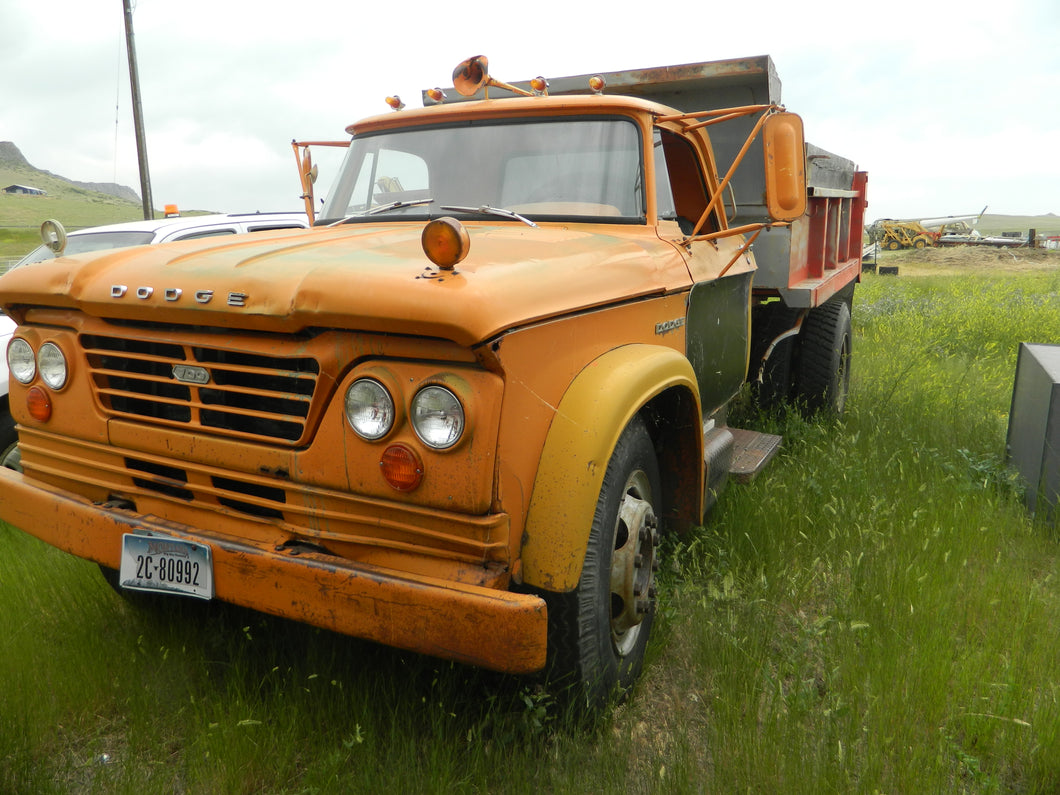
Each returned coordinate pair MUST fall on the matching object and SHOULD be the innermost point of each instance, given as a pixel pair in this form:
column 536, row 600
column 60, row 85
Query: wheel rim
column 633, row 563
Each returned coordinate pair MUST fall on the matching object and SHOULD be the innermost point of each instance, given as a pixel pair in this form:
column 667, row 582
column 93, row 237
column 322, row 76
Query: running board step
column 751, row 451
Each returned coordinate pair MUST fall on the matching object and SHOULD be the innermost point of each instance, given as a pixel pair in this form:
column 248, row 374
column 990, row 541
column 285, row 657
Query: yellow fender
column 595, row 409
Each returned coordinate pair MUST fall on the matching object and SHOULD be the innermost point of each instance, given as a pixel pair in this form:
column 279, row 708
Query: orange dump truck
column 457, row 415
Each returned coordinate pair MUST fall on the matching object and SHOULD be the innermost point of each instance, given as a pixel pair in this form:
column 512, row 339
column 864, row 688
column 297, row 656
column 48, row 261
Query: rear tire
column 598, row 632
column 768, row 322
column 822, row 380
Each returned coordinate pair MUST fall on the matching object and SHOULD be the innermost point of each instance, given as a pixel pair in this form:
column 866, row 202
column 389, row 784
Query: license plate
column 166, row 565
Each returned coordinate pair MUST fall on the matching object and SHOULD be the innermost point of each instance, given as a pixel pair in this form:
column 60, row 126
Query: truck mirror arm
column 719, row 116
column 307, row 172
column 739, row 230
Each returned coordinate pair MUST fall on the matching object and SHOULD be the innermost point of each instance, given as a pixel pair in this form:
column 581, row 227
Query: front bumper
column 490, row 628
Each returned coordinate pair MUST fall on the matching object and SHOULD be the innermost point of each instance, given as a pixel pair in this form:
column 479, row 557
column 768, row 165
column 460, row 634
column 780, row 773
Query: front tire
column 10, row 457
column 599, row 631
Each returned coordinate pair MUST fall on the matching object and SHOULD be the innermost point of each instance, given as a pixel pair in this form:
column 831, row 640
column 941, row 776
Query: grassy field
column 75, row 212
column 75, row 206
column 875, row 613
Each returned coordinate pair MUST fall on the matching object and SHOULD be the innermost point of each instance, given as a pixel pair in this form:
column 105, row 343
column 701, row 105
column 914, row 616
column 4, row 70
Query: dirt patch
column 955, row 260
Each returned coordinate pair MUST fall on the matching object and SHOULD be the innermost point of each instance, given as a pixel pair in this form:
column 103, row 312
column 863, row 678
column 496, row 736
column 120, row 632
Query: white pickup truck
column 133, row 233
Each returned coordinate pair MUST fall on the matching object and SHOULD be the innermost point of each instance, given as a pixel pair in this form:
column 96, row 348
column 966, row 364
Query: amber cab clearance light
column 401, row 467
column 39, row 404
column 445, row 242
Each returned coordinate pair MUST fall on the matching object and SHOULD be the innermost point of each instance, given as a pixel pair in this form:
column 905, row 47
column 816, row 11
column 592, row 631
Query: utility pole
column 138, row 121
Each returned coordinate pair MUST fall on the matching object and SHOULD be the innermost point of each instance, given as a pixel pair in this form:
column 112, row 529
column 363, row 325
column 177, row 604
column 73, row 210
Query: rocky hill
column 12, row 160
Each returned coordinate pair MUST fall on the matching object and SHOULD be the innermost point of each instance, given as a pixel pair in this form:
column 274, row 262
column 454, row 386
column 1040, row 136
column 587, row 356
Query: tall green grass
column 876, row 612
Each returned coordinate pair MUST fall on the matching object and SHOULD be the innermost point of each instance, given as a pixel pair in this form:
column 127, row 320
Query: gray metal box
column 1033, row 445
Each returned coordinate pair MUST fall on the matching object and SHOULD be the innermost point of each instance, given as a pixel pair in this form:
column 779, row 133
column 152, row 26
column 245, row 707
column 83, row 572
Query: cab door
column 718, row 310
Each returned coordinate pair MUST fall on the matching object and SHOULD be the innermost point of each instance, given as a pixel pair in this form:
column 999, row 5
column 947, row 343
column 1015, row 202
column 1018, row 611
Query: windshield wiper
column 385, row 208
column 485, row 208
column 382, row 208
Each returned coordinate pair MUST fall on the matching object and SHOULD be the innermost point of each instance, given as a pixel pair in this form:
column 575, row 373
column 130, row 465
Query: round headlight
column 52, row 365
column 437, row 417
column 20, row 360
column 369, row 409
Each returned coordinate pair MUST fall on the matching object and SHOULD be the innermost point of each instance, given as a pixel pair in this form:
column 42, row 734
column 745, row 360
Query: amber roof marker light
column 445, row 241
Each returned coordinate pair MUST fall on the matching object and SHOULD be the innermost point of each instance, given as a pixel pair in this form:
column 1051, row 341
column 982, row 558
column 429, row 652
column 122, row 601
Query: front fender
column 595, row 409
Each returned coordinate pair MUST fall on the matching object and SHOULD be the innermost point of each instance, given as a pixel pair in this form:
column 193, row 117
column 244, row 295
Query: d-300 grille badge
column 189, row 374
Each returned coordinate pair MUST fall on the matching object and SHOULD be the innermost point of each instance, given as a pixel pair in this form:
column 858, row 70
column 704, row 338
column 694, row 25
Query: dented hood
column 372, row 278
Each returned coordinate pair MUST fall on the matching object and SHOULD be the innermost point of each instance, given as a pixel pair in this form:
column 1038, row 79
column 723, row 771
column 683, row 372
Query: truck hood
column 372, row 278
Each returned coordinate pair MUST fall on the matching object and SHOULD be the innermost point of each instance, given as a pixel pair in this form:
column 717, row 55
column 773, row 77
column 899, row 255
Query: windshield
column 583, row 168
column 95, row 241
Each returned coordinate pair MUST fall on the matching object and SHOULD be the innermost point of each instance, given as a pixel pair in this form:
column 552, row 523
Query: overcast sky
column 949, row 106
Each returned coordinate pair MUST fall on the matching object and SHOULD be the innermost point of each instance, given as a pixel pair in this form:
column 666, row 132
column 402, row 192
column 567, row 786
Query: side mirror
column 785, row 166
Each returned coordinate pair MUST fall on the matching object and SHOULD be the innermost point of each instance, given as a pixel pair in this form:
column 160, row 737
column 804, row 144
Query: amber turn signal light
column 39, row 404
column 445, row 242
column 401, row 467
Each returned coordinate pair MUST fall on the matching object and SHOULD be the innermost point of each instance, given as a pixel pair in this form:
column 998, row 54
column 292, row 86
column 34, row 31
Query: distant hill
column 76, row 204
column 12, row 157
column 1048, row 224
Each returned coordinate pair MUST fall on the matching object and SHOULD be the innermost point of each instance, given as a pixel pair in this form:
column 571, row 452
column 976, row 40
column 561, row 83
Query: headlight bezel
column 434, row 407
column 24, row 367
column 384, row 398
column 52, row 366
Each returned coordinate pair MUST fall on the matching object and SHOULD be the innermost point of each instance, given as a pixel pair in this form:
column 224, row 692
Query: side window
column 386, row 176
column 664, row 196
column 399, row 176
column 205, row 233
column 274, row 226
column 685, row 190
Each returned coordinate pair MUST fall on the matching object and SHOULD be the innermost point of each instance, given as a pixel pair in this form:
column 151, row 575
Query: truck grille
column 226, row 392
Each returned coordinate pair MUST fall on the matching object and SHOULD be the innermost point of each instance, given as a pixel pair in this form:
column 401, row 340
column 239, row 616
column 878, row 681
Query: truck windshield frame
column 573, row 168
